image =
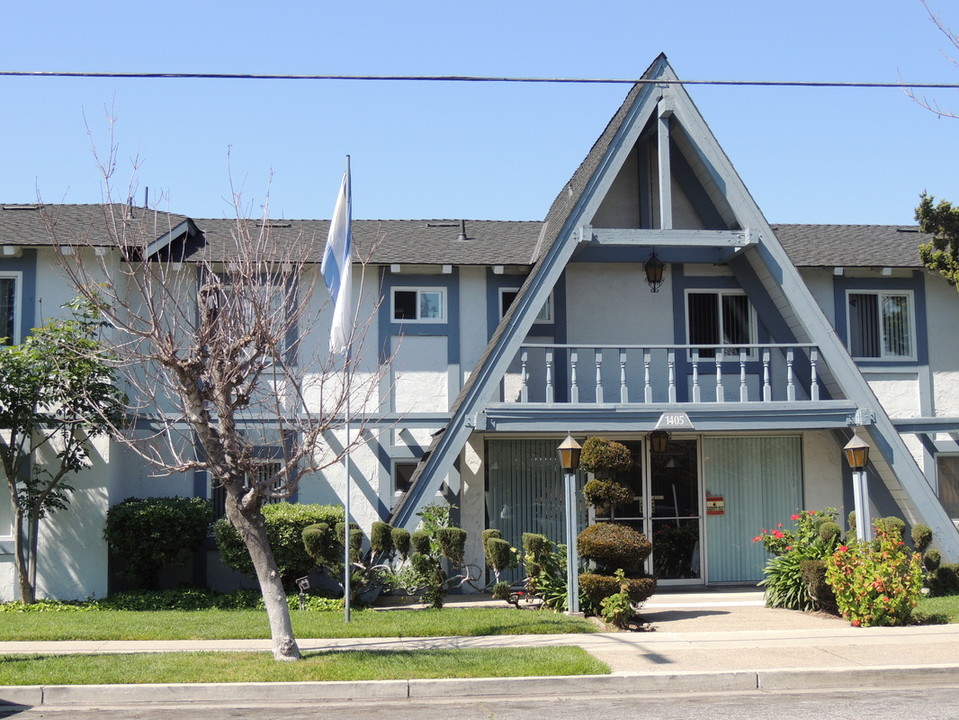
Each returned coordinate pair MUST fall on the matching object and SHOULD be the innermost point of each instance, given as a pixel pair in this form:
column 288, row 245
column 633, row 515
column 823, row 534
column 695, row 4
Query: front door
column 674, row 512
column 666, row 508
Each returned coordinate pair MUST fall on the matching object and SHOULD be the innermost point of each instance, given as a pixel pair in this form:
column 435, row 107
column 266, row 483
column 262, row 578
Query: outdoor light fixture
column 857, row 455
column 658, row 441
column 569, row 451
column 654, row 271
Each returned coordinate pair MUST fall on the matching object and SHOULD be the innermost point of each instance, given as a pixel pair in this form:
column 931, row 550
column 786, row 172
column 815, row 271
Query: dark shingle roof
column 80, row 224
column 426, row 242
column 852, row 245
column 435, row 242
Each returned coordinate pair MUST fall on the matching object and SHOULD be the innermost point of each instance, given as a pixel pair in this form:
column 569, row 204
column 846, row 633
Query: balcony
column 755, row 386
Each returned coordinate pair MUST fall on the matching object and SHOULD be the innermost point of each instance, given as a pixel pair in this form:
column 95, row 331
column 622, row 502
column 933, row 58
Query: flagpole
column 346, row 370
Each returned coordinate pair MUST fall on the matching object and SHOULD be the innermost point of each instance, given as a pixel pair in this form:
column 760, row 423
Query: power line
column 475, row 78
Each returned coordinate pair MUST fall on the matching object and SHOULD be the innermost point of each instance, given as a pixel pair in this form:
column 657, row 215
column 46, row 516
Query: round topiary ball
column 604, row 458
column 611, row 545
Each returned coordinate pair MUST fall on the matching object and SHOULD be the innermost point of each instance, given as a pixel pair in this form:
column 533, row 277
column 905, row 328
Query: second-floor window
column 9, row 308
column 419, row 304
column 720, row 318
column 508, row 295
column 881, row 325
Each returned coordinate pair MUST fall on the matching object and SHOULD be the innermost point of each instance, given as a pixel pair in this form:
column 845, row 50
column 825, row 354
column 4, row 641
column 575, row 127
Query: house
column 735, row 378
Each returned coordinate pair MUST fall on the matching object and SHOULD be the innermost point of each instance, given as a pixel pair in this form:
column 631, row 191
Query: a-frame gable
column 746, row 243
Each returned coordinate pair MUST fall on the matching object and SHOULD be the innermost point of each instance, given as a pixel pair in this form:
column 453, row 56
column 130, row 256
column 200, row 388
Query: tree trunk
column 28, row 593
column 251, row 526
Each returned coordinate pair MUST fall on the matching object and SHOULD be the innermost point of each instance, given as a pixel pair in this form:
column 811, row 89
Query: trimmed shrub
column 150, row 533
column 820, row 592
column 420, row 542
column 401, row 541
column 931, row 560
column 604, row 458
column 614, row 546
column 593, row 588
column 452, row 541
column 891, row 524
column 381, row 538
column 921, row 537
column 285, row 523
column 944, row 580
column 606, row 495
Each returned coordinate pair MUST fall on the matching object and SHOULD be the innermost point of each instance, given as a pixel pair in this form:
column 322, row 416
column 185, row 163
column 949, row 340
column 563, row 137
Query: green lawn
column 315, row 666
column 240, row 624
column 939, row 609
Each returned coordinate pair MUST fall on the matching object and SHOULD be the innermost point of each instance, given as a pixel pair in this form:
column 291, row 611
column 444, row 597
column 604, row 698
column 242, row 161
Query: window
column 9, row 308
column 880, row 325
column 423, row 305
column 720, row 318
column 403, row 475
column 263, row 470
column 948, row 467
column 508, row 295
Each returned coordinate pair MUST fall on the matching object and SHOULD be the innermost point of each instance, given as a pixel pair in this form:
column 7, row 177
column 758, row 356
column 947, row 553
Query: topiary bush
column 604, row 458
column 921, row 537
column 606, row 495
column 593, row 588
column 150, row 533
column 612, row 546
column 944, row 580
column 285, row 523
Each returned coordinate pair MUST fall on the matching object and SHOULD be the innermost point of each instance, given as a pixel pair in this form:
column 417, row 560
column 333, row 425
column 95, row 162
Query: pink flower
column 778, row 534
column 779, row 524
column 758, row 538
column 843, row 548
column 812, row 512
column 789, row 547
column 795, row 517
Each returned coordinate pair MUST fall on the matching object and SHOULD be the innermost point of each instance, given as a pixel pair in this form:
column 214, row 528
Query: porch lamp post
column 569, row 451
column 857, row 455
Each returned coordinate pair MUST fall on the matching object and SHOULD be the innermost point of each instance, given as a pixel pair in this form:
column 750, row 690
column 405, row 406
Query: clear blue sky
column 452, row 150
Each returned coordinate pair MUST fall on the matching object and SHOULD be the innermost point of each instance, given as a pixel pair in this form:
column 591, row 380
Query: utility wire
column 477, row 78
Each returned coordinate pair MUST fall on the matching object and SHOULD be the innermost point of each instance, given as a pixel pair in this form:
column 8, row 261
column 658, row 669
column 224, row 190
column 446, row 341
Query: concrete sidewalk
column 695, row 642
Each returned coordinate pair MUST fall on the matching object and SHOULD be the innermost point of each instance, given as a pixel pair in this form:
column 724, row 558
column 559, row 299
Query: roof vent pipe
column 462, row 230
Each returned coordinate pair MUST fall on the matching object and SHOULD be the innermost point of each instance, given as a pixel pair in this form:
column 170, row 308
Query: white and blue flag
column 336, row 268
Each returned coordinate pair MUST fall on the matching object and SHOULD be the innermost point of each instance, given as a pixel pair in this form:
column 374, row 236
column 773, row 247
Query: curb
column 395, row 690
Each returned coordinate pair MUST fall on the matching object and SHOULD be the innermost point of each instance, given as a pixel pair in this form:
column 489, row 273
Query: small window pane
column 949, row 484
column 431, row 305
column 404, row 304
column 895, row 326
column 8, row 309
column 506, row 299
column 736, row 320
column 403, row 476
column 704, row 321
column 863, row 325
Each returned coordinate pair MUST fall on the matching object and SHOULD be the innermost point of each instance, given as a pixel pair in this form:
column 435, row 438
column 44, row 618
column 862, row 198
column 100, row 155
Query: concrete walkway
column 694, row 642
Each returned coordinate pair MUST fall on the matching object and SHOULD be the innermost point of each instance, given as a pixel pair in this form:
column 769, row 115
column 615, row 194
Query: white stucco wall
column 822, row 473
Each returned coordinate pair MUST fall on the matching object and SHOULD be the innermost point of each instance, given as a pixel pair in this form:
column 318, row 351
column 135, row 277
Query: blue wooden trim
column 495, row 283
column 688, row 182
column 26, row 265
column 705, row 417
column 914, row 284
column 450, row 328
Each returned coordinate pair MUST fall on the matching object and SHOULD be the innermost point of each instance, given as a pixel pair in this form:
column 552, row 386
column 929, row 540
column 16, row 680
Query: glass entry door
column 674, row 512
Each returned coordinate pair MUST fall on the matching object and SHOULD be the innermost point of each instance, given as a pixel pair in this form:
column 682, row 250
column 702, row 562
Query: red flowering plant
column 876, row 583
column 813, row 537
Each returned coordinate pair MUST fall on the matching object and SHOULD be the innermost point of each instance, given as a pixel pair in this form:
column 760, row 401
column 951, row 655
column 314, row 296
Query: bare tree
column 927, row 103
column 214, row 343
